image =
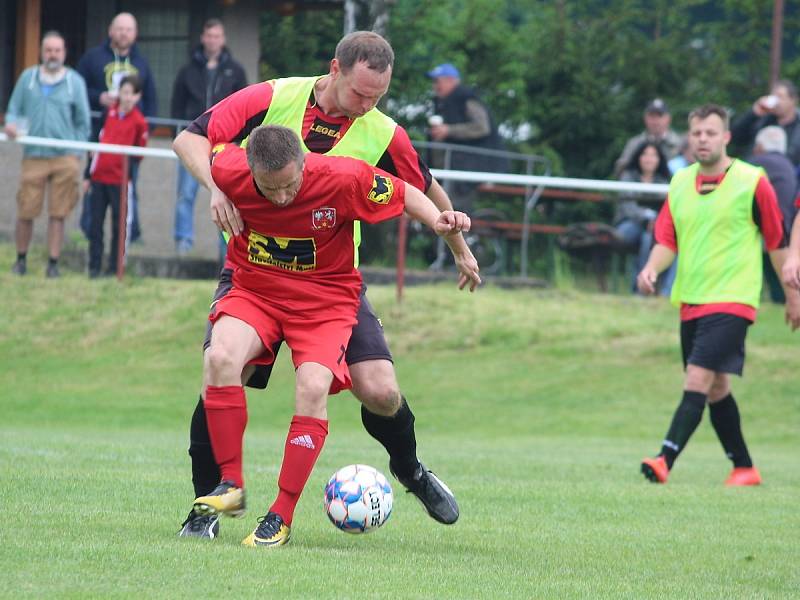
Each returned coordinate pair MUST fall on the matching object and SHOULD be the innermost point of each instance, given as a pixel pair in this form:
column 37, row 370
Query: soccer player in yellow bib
column 718, row 213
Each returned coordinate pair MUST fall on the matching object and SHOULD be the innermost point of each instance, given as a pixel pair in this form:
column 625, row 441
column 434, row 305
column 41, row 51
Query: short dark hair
column 212, row 23
column 706, row 110
column 272, row 147
column 52, row 33
column 790, row 88
column 134, row 81
column 364, row 46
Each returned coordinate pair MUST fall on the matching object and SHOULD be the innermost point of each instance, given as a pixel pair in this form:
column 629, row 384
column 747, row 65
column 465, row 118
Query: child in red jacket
column 123, row 125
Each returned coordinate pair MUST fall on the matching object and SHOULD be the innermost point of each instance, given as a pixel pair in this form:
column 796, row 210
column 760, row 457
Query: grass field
column 534, row 406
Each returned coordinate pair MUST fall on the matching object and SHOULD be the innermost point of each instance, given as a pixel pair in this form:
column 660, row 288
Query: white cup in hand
column 436, row 120
column 22, row 124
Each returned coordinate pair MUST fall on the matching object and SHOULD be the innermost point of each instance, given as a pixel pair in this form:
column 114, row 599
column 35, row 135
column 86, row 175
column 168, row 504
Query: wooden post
column 123, row 217
column 777, row 38
column 29, row 32
column 402, row 231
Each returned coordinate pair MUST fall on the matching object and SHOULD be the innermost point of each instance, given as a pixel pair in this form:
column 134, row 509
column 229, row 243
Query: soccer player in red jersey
column 718, row 213
column 330, row 117
column 294, row 279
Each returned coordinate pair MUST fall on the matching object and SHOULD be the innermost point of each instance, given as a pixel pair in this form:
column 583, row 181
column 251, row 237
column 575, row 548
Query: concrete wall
column 242, row 25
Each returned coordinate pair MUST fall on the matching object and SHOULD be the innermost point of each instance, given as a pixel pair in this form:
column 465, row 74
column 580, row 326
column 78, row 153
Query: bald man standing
column 103, row 67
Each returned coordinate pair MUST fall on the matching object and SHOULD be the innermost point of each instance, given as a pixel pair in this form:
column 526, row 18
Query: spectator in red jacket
column 125, row 125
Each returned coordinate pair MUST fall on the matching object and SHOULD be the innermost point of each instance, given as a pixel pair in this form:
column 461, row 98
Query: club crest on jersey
column 323, row 218
column 382, row 189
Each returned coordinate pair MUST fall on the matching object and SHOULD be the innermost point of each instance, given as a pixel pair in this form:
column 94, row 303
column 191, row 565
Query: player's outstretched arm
column 448, row 224
column 194, row 151
column 779, row 259
column 790, row 274
column 660, row 259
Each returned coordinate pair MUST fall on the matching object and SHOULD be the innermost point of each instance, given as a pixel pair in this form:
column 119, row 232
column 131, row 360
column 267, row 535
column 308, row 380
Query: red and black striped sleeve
column 232, row 119
column 402, row 160
column 767, row 215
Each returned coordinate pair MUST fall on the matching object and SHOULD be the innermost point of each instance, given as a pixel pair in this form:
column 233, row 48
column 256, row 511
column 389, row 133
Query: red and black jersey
column 126, row 130
column 303, row 253
column 766, row 215
column 232, row 120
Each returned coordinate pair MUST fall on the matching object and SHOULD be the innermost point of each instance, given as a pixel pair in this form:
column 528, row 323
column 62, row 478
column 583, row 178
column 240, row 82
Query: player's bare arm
column 779, row 259
column 448, row 224
column 465, row 261
column 790, row 274
column 194, row 151
column 660, row 259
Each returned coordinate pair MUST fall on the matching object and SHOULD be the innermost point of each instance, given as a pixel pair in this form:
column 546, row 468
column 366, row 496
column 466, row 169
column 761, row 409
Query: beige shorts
column 63, row 173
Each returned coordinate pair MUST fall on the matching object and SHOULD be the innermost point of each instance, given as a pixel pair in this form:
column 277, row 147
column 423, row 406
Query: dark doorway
column 69, row 19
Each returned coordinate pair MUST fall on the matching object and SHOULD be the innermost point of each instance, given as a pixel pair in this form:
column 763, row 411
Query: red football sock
column 226, row 413
column 303, row 445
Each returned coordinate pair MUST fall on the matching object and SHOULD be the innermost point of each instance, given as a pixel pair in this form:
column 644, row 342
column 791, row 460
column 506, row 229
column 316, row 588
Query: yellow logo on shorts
column 291, row 254
column 382, row 189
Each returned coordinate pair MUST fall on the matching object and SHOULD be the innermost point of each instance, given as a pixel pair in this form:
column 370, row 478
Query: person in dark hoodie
column 463, row 118
column 104, row 67
column 211, row 75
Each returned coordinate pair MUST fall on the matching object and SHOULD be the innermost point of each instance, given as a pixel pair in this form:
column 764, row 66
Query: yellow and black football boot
column 225, row 499
column 271, row 532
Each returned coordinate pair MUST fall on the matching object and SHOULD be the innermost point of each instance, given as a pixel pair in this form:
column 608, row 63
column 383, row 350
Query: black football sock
column 205, row 471
column 686, row 419
column 396, row 434
column 728, row 425
column 52, row 262
column 22, row 256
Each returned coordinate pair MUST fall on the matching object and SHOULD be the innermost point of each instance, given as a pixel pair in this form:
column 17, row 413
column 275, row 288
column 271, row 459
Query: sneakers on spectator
column 183, row 247
column 19, row 267
column 52, row 272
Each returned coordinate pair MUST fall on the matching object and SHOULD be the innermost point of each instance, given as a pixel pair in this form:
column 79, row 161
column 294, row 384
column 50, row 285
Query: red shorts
column 319, row 337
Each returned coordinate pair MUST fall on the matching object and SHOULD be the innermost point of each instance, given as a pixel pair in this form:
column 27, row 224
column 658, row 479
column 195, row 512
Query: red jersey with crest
column 302, row 254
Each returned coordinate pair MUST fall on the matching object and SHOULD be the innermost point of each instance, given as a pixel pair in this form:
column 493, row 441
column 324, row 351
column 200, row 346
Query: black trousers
column 103, row 195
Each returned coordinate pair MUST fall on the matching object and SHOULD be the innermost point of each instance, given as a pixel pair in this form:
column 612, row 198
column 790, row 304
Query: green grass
column 534, row 406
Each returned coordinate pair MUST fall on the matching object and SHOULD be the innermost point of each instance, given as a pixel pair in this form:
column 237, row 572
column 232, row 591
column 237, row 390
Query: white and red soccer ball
column 358, row 499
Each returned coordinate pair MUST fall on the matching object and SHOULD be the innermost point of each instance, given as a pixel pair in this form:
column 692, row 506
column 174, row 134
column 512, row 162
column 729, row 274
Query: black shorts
column 715, row 342
column 367, row 341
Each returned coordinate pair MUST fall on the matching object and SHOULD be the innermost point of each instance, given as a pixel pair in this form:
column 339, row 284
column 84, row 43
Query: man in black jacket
column 462, row 118
column 210, row 76
column 778, row 108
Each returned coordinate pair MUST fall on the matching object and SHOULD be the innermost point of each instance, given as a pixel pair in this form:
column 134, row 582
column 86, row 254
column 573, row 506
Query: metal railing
column 534, row 185
column 529, row 164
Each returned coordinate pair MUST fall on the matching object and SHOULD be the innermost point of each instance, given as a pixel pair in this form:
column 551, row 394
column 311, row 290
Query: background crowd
column 458, row 113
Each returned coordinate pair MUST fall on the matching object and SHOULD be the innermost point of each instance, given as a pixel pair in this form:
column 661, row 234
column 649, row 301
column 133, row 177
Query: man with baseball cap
column 462, row 118
column 657, row 120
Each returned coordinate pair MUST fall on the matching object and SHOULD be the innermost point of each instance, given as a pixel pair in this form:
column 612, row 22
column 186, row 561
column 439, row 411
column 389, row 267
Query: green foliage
column 578, row 72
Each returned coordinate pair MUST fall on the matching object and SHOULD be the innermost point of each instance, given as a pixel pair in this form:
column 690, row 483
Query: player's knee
column 220, row 364
column 720, row 389
column 380, row 400
column 699, row 379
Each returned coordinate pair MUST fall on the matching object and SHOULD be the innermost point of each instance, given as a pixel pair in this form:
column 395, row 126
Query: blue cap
column 444, row 70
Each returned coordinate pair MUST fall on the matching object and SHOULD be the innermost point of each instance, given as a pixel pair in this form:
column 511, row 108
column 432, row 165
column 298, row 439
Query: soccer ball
column 358, row 499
